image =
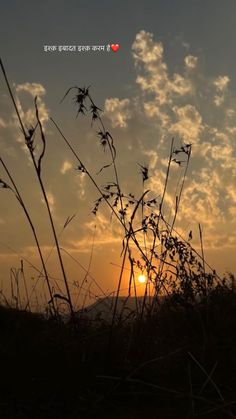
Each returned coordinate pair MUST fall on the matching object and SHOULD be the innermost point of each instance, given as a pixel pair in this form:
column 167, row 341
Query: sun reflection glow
column 142, row 279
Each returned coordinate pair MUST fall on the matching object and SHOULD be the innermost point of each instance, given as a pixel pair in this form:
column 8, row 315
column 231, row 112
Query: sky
column 173, row 76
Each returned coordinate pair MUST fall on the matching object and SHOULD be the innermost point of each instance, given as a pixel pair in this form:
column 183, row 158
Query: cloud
column 153, row 158
column 51, row 201
column 117, row 111
column 221, row 85
column 194, row 108
column 152, row 109
column 189, row 123
column 191, row 62
column 81, row 191
column 66, row 166
column 27, row 91
column 34, row 89
column 149, row 57
column 187, row 104
column 24, row 95
column 146, row 51
column 105, row 233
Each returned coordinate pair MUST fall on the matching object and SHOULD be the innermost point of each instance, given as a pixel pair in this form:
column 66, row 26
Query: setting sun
column 142, row 279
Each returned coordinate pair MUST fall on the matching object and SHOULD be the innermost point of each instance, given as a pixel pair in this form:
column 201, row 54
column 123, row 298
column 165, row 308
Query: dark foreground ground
column 177, row 363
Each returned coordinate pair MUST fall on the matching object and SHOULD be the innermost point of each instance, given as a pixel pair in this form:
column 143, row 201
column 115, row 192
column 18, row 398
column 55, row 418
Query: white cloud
column 191, row 62
column 153, row 158
column 34, row 89
column 117, row 111
column 183, row 105
column 221, row 82
column 180, row 85
column 51, row 201
column 24, row 96
column 145, row 50
column 221, row 85
column 152, row 109
column 81, row 191
column 189, row 123
column 149, row 56
column 66, row 166
column 27, row 91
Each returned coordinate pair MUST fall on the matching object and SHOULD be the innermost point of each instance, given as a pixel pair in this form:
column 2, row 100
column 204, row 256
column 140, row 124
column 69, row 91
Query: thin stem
column 12, row 97
column 19, row 197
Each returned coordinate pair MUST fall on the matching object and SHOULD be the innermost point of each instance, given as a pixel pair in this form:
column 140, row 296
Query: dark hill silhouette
column 103, row 308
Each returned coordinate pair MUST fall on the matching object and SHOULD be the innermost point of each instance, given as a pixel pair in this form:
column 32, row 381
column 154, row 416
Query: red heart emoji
column 115, row 47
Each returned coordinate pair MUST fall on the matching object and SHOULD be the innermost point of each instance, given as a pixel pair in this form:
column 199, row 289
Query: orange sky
column 159, row 85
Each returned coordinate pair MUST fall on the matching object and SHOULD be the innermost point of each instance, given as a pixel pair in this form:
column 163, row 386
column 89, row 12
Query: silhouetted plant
column 176, row 267
column 29, row 135
column 176, row 254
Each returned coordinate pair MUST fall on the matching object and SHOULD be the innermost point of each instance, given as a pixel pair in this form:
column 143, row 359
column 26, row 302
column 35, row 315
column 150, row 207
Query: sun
column 142, row 279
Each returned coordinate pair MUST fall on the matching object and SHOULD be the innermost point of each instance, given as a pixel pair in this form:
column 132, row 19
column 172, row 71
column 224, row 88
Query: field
column 169, row 354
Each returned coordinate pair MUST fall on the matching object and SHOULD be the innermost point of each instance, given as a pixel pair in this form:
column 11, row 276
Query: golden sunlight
column 142, row 279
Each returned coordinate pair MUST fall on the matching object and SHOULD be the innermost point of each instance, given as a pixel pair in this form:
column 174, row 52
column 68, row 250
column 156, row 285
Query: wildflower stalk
column 128, row 232
column 38, row 172
column 37, row 166
column 20, row 200
column 111, row 148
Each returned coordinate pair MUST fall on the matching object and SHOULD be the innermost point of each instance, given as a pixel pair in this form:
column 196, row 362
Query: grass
column 175, row 363
column 174, row 360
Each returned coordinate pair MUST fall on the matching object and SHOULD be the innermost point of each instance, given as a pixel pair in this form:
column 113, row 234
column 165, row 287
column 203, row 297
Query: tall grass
column 29, row 135
column 150, row 243
column 177, row 358
column 177, row 267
